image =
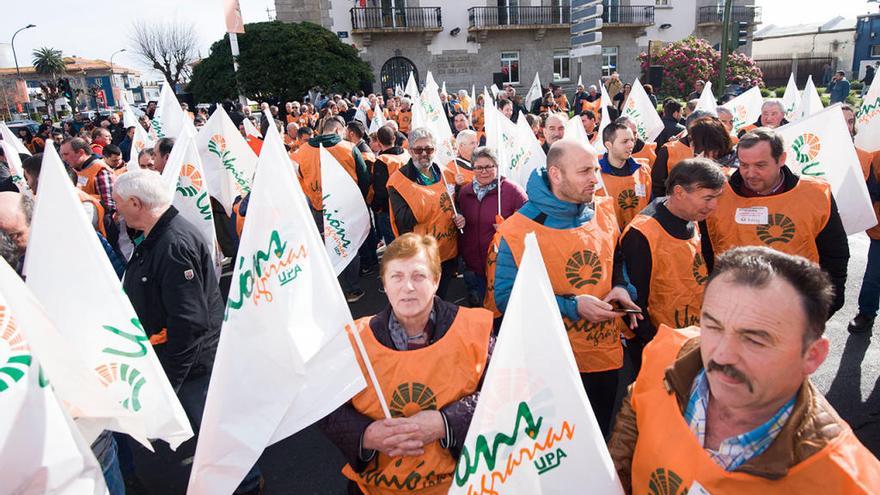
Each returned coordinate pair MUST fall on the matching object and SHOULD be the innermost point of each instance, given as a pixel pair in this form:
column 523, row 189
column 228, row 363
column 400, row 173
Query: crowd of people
column 703, row 244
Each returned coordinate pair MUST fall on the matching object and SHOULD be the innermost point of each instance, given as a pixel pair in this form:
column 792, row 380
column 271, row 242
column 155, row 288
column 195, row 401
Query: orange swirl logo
column 190, row 182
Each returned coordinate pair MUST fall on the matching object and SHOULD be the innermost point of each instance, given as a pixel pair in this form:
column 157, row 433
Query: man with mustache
column 729, row 407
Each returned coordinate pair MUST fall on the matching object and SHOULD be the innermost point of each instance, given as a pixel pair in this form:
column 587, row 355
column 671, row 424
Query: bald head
column 15, row 217
column 572, row 169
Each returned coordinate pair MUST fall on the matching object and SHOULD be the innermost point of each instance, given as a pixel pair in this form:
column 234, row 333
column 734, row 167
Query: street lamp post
column 115, row 99
column 15, row 58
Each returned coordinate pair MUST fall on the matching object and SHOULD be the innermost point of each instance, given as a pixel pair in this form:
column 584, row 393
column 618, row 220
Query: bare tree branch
column 169, row 47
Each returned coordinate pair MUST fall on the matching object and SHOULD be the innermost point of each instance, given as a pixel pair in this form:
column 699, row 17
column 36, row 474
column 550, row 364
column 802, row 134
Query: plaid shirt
column 104, row 184
column 735, row 451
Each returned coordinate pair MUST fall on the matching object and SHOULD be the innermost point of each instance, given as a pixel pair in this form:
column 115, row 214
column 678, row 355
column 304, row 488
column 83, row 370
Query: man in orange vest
column 404, row 116
column 626, row 181
column 729, row 407
column 390, row 159
column 578, row 234
column 765, row 204
column 308, row 157
column 772, row 116
column 421, row 201
column 661, row 247
column 641, row 149
column 94, row 177
column 869, row 294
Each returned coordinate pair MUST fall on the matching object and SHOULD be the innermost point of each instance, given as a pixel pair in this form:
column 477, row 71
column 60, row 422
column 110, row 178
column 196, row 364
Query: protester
column 772, row 116
column 112, row 156
column 671, row 117
column 726, row 118
column 554, row 130
column 577, row 233
column 414, row 342
column 735, row 394
column 838, row 88
column 388, row 161
column 173, row 288
column 674, row 151
column 421, row 202
column 100, row 137
column 647, row 152
column 662, row 250
column 709, row 138
column 699, row 85
column 483, row 211
column 627, row 182
column 94, row 176
column 461, row 168
column 620, row 98
column 766, row 204
column 161, row 152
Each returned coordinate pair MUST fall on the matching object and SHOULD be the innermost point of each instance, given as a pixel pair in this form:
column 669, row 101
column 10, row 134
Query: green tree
column 279, row 61
column 49, row 62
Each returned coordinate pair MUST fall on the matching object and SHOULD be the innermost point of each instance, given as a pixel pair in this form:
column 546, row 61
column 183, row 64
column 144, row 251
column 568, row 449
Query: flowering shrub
column 692, row 58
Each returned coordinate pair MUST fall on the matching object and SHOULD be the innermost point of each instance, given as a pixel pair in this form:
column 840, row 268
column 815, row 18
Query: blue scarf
column 482, row 191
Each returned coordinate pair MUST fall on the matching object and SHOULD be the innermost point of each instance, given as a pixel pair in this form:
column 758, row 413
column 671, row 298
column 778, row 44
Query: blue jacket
column 839, row 91
column 560, row 215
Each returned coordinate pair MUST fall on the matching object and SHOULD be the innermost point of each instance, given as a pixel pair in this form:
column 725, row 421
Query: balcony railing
column 398, row 18
column 628, row 15
column 713, row 14
column 518, row 17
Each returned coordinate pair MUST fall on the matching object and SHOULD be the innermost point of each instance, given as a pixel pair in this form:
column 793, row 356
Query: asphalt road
column 307, row 463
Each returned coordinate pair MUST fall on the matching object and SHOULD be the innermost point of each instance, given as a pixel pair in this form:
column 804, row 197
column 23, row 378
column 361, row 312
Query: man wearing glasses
column 421, row 202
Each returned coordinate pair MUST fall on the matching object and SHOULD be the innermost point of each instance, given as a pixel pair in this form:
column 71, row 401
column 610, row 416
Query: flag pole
column 233, row 45
column 451, row 199
column 367, row 364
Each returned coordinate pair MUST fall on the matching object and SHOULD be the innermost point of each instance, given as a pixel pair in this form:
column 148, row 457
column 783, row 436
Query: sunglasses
column 422, row 151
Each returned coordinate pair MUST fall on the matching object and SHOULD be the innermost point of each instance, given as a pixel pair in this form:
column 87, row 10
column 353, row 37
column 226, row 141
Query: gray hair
column 485, row 152
column 147, row 186
column 421, row 133
column 466, row 134
column 723, row 110
column 774, row 102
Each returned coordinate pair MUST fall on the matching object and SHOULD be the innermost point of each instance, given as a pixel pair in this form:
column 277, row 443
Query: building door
column 508, row 12
column 395, row 72
column 394, row 13
column 612, row 11
column 560, row 12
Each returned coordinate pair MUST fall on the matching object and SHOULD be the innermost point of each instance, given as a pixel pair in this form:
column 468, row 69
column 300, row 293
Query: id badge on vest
column 641, row 190
column 755, row 215
column 81, row 181
column 450, row 189
column 697, row 489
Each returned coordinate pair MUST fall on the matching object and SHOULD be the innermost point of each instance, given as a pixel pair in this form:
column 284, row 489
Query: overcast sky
column 97, row 28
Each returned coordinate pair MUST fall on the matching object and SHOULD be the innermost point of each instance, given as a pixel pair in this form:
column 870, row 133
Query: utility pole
column 725, row 42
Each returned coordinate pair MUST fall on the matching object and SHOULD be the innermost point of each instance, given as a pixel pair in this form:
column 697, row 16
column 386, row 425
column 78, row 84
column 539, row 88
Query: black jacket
column 171, row 283
column 671, row 127
column 831, row 242
column 380, row 180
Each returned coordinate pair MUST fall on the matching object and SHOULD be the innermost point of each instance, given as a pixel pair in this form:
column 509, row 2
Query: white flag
column 606, row 119
column 820, row 146
column 473, row 102
column 9, row 137
column 521, row 167
column 168, row 119
column 436, row 121
column 129, row 119
column 86, row 303
column 707, row 100
column 284, row 360
column 534, row 92
column 142, row 140
column 378, row 119
column 361, row 113
column 494, row 90
column 746, row 108
column 868, row 119
column 574, row 131
column 228, row 160
column 346, row 218
column 639, row 108
column 42, row 450
column 13, row 161
column 533, row 431
column 431, row 85
column 443, row 88
column 251, row 130
column 74, row 381
column 192, row 198
column 412, row 88
column 790, row 98
column 810, row 102
column 580, row 81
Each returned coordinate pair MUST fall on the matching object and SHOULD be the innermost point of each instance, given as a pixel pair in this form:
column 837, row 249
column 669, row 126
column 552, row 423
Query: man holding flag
column 765, row 204
column 577, row 233
column 172, row 285
column 729, row 407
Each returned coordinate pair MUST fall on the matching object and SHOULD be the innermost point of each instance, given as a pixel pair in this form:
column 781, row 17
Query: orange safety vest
column 669, row 459
column 478, row 119
column 309, row 159
column 394, row 162
column 867, row 159
column 453, row 168
column 630, row 194
column 239, row 218
column 747, row 129
column 678, row 274
column 99, row 210
column 579, row 261
column 561, row 102
column 432, row 208
column 677, row 151
column 404, row 119
column 794, row 217
column 648, row 153
column 255, row 143
column 415, row 381
column 87, row 177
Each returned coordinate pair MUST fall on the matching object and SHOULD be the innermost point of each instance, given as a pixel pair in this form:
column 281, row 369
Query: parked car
column 15, row 125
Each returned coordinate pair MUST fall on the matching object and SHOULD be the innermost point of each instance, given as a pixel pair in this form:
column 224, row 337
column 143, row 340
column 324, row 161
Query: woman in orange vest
column 413, row 344
column 729, row 407
column 421, row 200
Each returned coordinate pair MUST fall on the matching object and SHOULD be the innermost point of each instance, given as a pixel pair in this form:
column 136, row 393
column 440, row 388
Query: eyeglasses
column 422, row 151
column 484, row 169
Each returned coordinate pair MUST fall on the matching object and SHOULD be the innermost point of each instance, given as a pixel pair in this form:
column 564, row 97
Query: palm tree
column 49, row 62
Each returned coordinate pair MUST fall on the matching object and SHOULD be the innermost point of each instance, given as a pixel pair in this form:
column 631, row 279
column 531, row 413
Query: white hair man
column 172, row 286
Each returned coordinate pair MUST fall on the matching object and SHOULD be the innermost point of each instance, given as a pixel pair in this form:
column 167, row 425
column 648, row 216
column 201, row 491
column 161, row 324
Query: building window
column 609, row 60
column 510, row 67
column 875, row 50
column 561, row 65
column 663, row 3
